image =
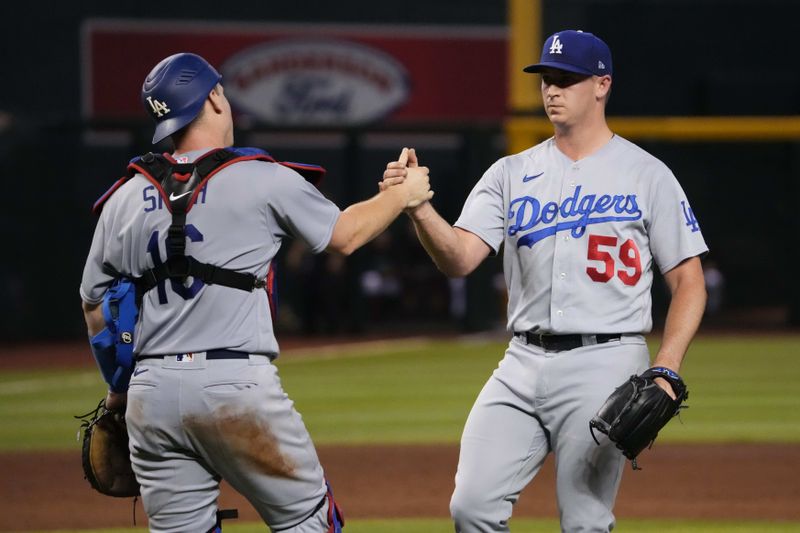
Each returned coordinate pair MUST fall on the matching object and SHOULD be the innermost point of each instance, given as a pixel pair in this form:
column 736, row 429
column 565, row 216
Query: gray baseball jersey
column 581, row 237
column 192, row 420
column 272, row 203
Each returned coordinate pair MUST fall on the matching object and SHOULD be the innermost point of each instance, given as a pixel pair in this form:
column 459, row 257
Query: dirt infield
column 44, row 491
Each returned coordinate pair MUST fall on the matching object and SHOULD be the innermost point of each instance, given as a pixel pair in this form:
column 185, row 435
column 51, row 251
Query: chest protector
column 179, row 184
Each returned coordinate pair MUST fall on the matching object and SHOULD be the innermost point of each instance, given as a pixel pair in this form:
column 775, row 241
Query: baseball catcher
column 197, row 231
column 637, row 410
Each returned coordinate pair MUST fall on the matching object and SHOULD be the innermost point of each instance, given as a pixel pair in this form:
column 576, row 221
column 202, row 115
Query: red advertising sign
column 308, row 74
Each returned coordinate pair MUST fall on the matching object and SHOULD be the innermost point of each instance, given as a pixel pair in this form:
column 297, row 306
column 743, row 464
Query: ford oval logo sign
column 317, row 82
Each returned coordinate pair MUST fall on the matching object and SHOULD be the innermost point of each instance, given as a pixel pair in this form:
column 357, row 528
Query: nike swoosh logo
column 172, row 196
column 140, row 371
column 533, row 177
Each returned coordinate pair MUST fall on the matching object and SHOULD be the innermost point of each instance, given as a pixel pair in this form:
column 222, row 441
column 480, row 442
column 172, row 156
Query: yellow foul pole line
column 524, row 46
column 532, row 130
column 525, row 126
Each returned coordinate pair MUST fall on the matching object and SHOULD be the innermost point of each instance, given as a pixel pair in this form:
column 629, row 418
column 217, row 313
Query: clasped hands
column 406, row 172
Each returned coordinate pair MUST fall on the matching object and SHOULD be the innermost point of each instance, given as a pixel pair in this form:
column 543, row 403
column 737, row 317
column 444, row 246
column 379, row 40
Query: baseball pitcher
column 582, row 218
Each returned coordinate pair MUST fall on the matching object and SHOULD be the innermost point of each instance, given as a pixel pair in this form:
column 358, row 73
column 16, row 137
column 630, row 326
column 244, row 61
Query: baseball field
column 386, row 417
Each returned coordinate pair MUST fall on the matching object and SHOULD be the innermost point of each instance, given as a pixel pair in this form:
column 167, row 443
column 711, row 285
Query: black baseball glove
column 104, row 454
column 634, row 413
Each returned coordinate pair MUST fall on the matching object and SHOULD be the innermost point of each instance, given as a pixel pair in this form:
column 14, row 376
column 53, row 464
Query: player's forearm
column 115, row 401
column 683, row 319
column 362, row 222
column 440, row 240
column 93, row 314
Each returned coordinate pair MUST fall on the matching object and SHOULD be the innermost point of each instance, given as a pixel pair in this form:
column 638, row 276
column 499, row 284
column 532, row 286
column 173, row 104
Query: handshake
column 406, row 173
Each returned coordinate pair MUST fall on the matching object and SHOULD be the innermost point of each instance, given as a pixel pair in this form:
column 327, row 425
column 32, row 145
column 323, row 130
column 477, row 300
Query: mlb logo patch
column 184, row 357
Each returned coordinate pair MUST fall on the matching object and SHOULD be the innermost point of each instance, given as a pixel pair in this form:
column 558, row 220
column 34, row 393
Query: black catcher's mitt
column 634, row 413
column 105, row 457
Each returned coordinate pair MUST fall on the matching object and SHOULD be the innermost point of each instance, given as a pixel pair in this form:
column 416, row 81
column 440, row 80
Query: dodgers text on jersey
column 528, row 213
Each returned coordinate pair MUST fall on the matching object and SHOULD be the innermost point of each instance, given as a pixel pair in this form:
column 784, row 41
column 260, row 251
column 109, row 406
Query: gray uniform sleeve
column 484, row 212
column 301, row 210
column 674, row 230
column 94, row 281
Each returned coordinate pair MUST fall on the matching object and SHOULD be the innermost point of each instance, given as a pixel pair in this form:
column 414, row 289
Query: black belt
column 210, row 354
column 562, row 343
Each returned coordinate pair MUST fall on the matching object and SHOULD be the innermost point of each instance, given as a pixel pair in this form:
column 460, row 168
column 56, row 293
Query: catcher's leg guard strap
column 224, row 514
column 335, row 516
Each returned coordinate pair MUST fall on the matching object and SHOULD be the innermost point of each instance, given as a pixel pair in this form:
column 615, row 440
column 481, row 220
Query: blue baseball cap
column 574, row 51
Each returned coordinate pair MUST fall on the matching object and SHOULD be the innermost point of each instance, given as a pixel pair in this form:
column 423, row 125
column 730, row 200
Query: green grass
column 522, row 526
column 37, row 408
column 741, row 389
column 399, row 396
column 744, row 389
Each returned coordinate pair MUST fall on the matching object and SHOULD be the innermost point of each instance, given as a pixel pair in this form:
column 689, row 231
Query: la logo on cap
column 159, row 108
column 556, row 47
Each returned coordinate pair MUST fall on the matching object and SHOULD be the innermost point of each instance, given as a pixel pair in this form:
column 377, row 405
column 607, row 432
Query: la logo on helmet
column 556, row 47
column 159, row 108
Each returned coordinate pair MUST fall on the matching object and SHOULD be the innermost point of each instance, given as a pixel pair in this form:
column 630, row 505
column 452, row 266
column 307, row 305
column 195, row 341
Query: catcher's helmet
column 175, row 90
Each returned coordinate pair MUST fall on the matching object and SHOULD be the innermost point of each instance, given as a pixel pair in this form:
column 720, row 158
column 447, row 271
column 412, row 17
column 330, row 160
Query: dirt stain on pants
column 247, row 437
